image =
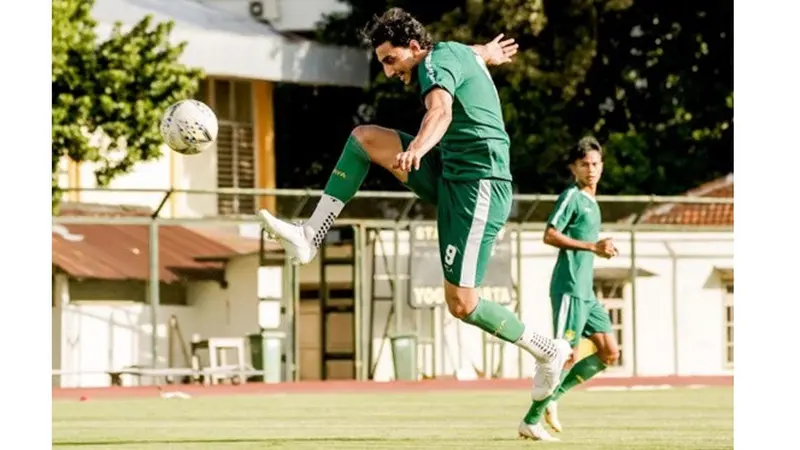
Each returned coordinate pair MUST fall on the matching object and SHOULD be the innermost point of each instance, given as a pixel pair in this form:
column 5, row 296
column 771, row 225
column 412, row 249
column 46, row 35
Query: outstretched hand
column 500, row 52
column 407, row 161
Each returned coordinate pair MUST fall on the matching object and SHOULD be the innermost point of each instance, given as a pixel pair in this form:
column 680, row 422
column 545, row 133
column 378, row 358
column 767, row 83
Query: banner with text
column 427, row 289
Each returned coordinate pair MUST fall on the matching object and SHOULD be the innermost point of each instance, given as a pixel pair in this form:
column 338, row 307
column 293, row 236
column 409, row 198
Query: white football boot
column 548, row 374
column 535, row 432
column 295, row 239
column 551, row 417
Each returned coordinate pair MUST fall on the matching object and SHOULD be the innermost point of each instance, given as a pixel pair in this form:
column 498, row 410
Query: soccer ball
column 189, row 127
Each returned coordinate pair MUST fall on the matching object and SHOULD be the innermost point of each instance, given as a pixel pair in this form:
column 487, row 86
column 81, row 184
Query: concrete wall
column 231, row 312
column 679, row 312
column 101, row 330
column 290, row 15
column 103, row 325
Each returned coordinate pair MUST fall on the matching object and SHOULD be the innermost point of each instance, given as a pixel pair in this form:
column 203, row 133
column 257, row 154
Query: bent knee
column 460, row 304
column 381, row 144
column 375, row 138
column 364, row 134
column 458, row 309
column 610, row 356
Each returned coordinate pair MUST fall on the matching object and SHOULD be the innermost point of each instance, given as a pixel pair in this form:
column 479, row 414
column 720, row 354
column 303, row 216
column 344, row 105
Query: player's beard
column 413, row 78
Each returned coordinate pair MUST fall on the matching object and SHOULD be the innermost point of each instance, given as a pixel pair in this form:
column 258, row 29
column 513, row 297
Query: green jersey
column 476, row 145
column 576, row 215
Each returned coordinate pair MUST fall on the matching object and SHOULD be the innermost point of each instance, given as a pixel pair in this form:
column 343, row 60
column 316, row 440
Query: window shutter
column 236, row 167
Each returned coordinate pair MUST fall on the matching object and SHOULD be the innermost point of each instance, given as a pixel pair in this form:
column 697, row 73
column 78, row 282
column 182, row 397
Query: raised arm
column 496, row 52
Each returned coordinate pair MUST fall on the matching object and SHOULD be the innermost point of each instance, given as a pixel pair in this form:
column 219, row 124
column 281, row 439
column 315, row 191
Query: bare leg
column 382, row 145
column 607, row 347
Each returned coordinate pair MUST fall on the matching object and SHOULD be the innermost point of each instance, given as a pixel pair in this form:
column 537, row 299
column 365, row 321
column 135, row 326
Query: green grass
column 670, row 419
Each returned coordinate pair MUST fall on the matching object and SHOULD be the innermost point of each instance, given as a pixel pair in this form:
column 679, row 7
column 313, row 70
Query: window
column 232, row 101
column 611, row 294
column 727, row 306
column 235, row 167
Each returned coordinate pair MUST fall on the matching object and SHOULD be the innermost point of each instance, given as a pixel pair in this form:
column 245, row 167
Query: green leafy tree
column 662, row 95
column 117, row 89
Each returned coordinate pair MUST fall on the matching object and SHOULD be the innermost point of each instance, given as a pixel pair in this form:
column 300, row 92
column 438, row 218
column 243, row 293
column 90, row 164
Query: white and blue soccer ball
column 189, row 127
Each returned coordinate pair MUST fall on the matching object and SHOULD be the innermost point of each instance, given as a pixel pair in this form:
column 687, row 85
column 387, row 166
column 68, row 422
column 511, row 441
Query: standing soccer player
column 574, row 227
column 458, row 161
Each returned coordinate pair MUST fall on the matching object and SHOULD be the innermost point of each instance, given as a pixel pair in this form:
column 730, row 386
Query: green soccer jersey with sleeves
column 476, row 145
column 576, row 214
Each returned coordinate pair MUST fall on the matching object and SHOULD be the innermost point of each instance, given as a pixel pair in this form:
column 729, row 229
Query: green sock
column 350, row 171
column 536, row 411
column 580, row 372
column 496, row 320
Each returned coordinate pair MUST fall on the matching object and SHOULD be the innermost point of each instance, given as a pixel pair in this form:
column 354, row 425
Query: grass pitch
column 668, row 419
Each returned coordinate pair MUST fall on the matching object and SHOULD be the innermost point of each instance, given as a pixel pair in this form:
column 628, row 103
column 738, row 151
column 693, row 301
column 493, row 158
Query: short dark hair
column 397, row 27
column 585, row 145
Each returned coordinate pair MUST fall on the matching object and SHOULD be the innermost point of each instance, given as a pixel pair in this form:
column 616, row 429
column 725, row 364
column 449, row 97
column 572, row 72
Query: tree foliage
column 108, row 96
column 652, row 79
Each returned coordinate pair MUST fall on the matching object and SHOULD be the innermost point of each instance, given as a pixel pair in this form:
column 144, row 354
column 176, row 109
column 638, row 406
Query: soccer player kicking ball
column 458, row 161
column 573, row 227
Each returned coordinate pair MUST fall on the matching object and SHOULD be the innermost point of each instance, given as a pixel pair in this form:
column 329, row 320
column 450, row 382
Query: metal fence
column 397, row 211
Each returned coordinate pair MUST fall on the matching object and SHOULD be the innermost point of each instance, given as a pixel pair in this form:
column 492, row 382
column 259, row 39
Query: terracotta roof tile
column 697, row 214
column 120, row 252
